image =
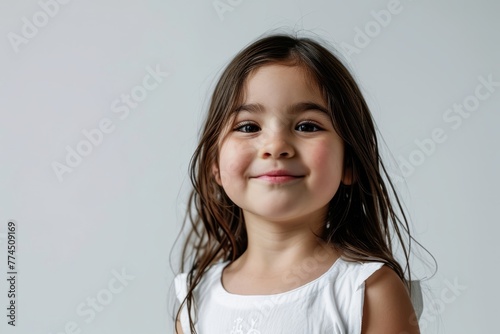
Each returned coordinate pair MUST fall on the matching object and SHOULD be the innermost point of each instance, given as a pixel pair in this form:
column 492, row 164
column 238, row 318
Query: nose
column 277, row 146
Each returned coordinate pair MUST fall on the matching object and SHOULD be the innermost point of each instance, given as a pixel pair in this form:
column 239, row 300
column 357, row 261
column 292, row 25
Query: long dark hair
column 362, row 218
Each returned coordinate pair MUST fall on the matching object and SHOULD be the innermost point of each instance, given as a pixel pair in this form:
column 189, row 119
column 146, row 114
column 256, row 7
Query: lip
column 279, row 176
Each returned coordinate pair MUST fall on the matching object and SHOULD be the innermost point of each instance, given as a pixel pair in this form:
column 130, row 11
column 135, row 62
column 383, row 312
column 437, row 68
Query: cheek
column 326, row 160
column 327, row 157
column 234, row 160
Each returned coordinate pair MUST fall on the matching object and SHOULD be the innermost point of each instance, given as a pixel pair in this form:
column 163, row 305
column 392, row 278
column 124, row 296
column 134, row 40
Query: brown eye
column 308, row 127
column 247, row 127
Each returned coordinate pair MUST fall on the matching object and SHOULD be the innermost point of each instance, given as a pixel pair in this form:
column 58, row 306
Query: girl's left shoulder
column 353, row 274
column 387, row 305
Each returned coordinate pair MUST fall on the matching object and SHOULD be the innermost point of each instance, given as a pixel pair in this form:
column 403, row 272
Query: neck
column 274, row 247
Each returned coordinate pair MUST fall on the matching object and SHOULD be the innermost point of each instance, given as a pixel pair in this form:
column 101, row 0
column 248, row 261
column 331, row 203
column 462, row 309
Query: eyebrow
column 296, row 108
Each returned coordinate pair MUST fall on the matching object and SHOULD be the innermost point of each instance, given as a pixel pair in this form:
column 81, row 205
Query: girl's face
column 281, row 159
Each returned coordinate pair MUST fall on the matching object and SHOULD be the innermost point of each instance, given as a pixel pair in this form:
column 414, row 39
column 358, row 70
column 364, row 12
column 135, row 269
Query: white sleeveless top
column 332, row 303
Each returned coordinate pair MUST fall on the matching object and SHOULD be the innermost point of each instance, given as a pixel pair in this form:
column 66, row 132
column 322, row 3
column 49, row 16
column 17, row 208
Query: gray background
column 121, row 208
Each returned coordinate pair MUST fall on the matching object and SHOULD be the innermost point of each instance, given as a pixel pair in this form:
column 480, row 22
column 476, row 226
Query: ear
column 216, row 174
column 347, row 178
column 348, row 174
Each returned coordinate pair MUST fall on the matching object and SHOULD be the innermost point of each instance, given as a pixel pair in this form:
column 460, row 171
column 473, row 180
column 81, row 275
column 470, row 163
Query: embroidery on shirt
column 238, row 327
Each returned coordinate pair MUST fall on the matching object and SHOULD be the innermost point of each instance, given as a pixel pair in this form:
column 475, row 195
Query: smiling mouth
column 278, row 176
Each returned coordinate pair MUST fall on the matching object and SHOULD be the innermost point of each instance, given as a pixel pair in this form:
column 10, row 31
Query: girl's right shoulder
column 181, row 279
column 181, row 288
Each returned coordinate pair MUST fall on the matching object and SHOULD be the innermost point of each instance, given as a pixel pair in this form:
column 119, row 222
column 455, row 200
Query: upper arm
column 387, row 306
column 178, row 327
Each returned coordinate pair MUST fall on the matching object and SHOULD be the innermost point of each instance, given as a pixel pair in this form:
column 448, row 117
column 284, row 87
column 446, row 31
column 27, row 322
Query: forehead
column 278, row 83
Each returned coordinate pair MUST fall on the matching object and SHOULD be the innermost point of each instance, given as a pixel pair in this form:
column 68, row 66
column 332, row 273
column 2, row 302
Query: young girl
column 292, row 225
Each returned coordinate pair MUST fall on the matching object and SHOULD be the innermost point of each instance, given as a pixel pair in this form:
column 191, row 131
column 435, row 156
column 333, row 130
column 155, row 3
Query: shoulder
column 181, row 282
column 352, row 275
column 210, row 277
column 387, row 306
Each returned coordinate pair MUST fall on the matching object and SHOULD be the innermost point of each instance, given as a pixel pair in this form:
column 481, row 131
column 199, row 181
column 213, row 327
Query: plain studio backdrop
column 101, row 104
